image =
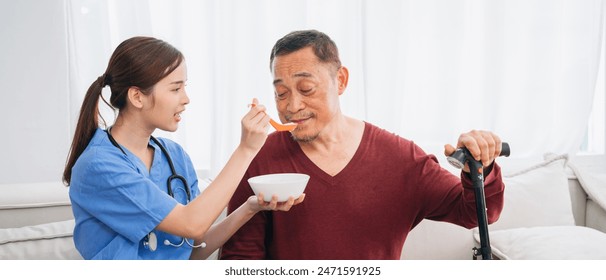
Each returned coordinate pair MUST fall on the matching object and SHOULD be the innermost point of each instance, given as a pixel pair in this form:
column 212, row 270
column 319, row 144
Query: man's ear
column 342, row 78
column 135, row 97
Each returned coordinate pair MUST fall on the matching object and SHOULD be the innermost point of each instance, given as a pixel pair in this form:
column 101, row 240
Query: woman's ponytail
column 88, row 121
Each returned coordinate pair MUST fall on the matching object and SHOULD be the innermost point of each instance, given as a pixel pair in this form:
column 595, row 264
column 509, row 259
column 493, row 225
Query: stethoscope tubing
column 151, row 241
column 173, row 171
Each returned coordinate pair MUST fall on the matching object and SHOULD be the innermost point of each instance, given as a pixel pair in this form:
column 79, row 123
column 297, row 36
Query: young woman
column 137, row 197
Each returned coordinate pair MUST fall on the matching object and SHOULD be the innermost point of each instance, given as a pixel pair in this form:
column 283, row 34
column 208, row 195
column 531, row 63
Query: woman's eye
column 179, row 87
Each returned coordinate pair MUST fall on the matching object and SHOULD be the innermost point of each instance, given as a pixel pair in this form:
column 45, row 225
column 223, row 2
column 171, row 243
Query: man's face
column 307, row 92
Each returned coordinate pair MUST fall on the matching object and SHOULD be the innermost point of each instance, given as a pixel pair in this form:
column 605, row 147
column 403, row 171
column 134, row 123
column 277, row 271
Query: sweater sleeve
column 494, row 190
column 446, row 197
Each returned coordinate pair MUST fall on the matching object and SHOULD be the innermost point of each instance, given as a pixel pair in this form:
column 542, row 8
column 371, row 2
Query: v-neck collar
column 306, row 162
column 153, row 173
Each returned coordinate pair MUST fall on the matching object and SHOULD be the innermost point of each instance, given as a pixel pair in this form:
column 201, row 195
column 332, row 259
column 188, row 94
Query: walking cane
column 458, row 160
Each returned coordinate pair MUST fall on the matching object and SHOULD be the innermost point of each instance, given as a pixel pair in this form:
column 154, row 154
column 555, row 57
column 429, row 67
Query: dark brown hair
column 137, row 62
column 324, row 48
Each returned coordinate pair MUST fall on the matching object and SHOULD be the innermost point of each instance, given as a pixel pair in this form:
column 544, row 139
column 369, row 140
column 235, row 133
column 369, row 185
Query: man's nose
column 295, row 103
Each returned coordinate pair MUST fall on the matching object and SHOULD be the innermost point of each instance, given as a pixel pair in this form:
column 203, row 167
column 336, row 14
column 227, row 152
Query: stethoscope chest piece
column 152, row 242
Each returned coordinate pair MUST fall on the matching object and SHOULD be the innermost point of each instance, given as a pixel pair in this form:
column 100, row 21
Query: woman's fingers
column 299, row 199
column 273, row 204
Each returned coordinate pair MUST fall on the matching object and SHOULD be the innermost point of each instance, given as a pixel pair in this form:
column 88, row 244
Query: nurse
column 124, row 203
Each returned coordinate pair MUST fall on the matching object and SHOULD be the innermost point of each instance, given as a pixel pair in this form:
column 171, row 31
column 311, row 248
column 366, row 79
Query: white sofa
column 36, row 222
column 548, row 214
column 554, row 209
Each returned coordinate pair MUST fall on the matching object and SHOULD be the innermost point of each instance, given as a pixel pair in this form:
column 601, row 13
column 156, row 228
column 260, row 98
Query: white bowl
column 281, row 184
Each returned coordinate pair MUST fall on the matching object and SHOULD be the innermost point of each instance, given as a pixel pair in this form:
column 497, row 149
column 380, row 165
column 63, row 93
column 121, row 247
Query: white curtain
column 426, row 70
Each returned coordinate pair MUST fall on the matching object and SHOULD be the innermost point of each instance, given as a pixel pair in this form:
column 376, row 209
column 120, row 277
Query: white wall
column 34, row 116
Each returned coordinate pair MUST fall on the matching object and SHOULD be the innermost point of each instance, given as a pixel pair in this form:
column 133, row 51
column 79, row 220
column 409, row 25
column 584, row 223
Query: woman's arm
column 195, row 218
column 219, row 233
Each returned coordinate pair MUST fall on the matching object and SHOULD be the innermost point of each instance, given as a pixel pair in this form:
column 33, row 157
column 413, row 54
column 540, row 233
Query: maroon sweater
column 363, row 212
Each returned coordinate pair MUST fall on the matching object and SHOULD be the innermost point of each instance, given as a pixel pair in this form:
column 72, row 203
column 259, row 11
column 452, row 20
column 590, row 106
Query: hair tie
column 107, row 80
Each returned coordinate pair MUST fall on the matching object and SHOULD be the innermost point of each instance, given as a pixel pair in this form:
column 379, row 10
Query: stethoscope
column 151, row 241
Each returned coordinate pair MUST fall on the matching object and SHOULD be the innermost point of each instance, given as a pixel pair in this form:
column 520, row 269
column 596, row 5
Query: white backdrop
column 426, row 70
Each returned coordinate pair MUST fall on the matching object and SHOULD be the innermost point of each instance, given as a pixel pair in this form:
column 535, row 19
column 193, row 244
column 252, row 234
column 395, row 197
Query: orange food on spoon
column 278, row 126
column 283, row 127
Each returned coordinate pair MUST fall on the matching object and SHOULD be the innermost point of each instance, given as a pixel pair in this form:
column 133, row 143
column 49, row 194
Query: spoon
column 282, row 127
column 279, row 126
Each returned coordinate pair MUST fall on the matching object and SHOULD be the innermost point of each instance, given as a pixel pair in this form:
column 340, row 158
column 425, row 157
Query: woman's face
column 167, row 101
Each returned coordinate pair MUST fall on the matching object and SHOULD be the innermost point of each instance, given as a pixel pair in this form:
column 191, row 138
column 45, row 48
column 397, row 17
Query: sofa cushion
column 536, row 196
column 39, row 242
column 548, row 243
column 433, row 240
column 33, row 203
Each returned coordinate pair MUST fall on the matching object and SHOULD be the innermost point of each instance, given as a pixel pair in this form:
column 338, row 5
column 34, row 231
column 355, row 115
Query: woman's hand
column 256, row 203
column 255, row 125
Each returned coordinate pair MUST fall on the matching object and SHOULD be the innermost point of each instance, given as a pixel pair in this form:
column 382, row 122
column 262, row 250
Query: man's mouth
column 297, row 120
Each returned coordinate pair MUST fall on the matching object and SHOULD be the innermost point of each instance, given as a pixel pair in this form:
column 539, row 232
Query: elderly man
column 368, row 187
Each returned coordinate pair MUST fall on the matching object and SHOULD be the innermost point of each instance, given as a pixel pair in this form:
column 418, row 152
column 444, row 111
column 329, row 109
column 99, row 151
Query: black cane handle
column 458, row 159
column 460, row 155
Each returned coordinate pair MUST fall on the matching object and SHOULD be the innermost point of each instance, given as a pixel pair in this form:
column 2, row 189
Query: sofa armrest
column 578, row 199
column 34, row 203
column 589, row 171
column 595, row 216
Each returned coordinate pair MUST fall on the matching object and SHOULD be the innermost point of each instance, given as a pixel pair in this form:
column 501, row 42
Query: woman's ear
column 342, row 78
column 135, row 97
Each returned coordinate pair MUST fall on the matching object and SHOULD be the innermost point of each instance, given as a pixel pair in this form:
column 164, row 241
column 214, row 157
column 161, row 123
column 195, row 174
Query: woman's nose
column 185, row 97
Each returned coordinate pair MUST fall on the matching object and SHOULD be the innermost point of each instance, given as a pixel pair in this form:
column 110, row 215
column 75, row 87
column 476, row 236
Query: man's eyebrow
column 302, row 74
column 299, row 74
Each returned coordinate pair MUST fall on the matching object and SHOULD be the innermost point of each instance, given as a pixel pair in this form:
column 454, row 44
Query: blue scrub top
column 117, row 202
